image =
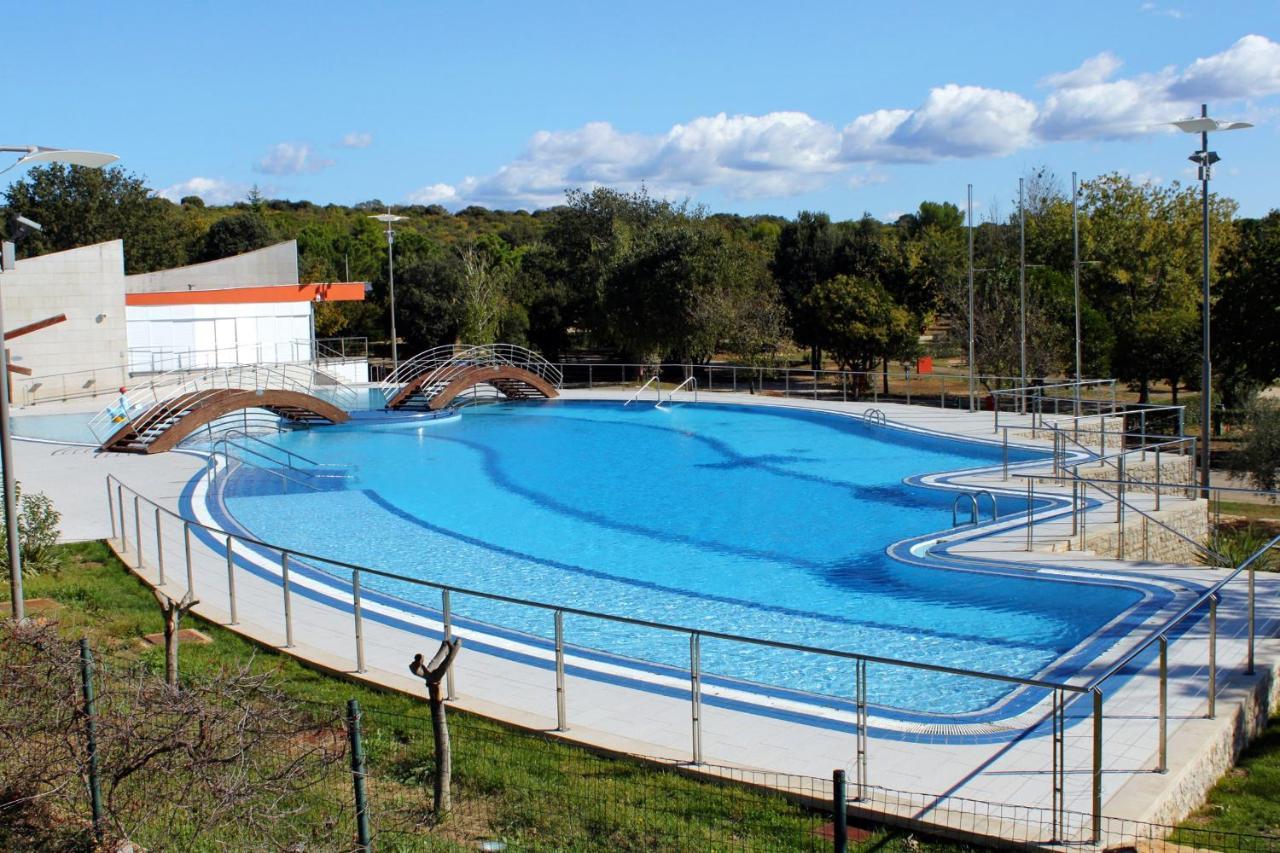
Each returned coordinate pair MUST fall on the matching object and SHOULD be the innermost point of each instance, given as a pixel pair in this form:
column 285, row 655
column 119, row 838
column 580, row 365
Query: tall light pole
column 971, row 339
column 30, row 154
column 1204, row 158
column 1022, row 286
column 389, row 218
column 1075, row 277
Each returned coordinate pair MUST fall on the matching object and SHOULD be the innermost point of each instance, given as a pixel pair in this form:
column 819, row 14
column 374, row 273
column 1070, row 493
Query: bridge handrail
column 438, row 365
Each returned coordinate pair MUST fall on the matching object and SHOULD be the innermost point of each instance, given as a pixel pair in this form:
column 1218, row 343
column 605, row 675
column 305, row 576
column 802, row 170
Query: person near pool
column 120, row 411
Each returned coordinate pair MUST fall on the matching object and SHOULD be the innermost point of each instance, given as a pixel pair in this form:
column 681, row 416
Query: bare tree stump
column 173, row 611
column 432, row 673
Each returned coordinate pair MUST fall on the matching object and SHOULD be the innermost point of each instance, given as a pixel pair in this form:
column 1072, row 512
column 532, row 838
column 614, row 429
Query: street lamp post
column 30, row 154
column 1075, row 278
column 1022, row 287
column 1204, row 159
column 389, row 218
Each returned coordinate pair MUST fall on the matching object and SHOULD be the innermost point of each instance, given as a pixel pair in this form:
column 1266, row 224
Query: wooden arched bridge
column 157, row 417
column 436, row 378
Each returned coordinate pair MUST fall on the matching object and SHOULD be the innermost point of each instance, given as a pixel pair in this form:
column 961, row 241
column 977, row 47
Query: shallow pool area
column 759, row 521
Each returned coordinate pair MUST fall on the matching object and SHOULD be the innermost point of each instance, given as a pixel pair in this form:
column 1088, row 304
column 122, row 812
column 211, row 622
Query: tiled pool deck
column 646, row 710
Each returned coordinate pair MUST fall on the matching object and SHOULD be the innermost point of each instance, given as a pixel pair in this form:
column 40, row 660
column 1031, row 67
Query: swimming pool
column 762, row 521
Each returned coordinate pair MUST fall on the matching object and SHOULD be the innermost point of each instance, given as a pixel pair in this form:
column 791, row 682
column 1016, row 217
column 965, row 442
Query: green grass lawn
column 526, row 789
column 1247, row 799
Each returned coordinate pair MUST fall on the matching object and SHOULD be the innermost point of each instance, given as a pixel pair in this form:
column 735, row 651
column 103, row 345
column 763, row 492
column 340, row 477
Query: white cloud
column 1248, row 69
column 291, row 158
column 356, row 140
column 1157, row 9
column 1094, row 70
column 211, row 190
column 786, row 153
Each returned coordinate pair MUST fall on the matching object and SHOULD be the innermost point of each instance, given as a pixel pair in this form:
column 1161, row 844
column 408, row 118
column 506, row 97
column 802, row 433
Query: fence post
column 446, row 611
column 861, row 706
column 1005, row 455
column 91, row 734
column 1157, row 478
column 1084, row 515
column 561, row 718
column 1213, row 656
column 159, row 549
column 1097, row 765
column 124, row 540
column 1249, row 667
column 288, row 603
column 231, row 581
column 1162, row 763
column 363, row 841
column 695, row 693
column 839, row 816
column 1059, row 782
column 358, row 614
column 1031, row 497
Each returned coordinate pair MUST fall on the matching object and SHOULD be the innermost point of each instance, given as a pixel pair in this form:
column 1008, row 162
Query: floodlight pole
column 389, row 218
column 971, row 338
column 1206, row 372
column 1022, row 288
column 1075, row 279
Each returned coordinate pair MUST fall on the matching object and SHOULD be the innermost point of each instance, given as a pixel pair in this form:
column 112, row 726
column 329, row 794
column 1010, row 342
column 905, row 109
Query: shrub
column 37, row 530
column 1259, row 456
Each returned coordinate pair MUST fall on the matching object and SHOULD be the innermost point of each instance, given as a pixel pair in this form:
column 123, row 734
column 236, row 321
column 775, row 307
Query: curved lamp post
column 30, row 154
column 389, row 218
column 1204, row 159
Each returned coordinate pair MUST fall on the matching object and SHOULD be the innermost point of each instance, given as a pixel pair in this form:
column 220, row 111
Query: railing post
column 159, row 549
column 1059, row 781
column 358, row 614
column 906, row 375
column 786, row 390
column 124, row 540
column 860, row 702
column 562, row 722
column 1213, row 656
column 1157, row 478
column 1249, row 665
column 91, row 734
column 363, row 836
column 839, row 814
column 288, row 602
column 231, row 582
column 1097, row 765
column 446, row 612
column 111, row 509
column 815, row 384
column 1084, row 516
column 844, row 387
column 137, row 529
column 588, row 376
column 1005, row 455
column 1162, row 760
column 695, row 693
column 1031, row 496
column 186, row 549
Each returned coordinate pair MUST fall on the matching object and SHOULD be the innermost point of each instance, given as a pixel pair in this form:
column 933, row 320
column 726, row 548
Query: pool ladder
column 974, row 512
column 692, row 380
column 875, row 416
column 640, row 391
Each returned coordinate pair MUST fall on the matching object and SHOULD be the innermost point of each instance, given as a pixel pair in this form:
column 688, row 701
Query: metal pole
column 1031, row 496
column 1249, row 668
column 288, row 604
column 446, row 610
column 186, row 547
column 391, row 279
column 159, row 549
column 695, row 693
column 91, row 734
column 363, row 836
column 124, row 540
column 10, row 486
column 231, row 581
column 1097, row 765
column 1213, row 656
column 137, row 529
column 1022, row 289
column 840, row 817
column 863, row 736
column 1206, row 374
column 1075, row 280
column 561, row 717
column 1162, row 761
column 358, row 613
column 971, row 346
column 111, row 510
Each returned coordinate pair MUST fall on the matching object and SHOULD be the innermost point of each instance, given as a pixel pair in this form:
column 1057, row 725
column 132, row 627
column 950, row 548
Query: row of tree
column 651, row 279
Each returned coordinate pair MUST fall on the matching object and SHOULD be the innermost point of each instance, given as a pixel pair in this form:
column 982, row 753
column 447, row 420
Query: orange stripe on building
column 345, row 291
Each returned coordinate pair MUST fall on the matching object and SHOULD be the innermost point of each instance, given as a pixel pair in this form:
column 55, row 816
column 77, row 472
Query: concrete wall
column 86, row 284
column 170, row 337
column 276, row 264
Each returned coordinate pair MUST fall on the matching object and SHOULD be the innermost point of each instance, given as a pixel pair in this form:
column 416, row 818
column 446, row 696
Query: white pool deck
column 623, row 715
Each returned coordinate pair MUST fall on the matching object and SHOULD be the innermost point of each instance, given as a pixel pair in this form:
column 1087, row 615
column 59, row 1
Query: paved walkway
column 647, row 711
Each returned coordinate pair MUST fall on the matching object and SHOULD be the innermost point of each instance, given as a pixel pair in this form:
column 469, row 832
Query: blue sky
column 747, row 107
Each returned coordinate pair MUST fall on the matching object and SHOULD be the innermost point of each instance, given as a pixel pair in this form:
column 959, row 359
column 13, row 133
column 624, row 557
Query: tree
column 1259, row 456
column 172, row 610
column 858, row 322
column 433, row 672
column 235, row 235
column 805, row 256
column 79, row 207
column 486, row 268
column 1246, row 316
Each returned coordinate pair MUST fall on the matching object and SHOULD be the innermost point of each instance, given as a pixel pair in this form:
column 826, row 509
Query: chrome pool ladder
column 974, row 507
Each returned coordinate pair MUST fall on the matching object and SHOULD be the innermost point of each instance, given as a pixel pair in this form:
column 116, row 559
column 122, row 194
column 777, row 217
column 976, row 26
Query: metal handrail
column 672, row 393
column 640, row 390
column 239, row 433
column 440, row 362
column 274, row 471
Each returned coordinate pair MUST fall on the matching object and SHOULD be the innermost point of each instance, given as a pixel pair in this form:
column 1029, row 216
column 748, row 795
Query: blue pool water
column 766, row 522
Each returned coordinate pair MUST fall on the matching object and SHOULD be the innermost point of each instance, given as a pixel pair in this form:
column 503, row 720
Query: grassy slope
column 531, row 791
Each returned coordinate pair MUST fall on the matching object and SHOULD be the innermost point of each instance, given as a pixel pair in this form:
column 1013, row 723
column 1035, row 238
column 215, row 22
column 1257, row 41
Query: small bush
column 37, row 530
